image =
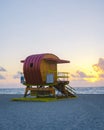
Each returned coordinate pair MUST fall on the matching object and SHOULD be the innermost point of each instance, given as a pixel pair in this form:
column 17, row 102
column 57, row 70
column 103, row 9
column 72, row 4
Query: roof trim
column 58, row 61
column 22, row 61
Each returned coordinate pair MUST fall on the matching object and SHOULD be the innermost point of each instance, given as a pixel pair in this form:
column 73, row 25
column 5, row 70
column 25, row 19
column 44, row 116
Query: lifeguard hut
column 41, row 77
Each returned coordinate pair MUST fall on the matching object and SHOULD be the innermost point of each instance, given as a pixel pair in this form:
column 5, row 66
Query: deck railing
column 64, row 76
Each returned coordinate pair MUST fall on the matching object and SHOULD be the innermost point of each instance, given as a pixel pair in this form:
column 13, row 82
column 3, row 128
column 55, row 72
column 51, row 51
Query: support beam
column 26, row 91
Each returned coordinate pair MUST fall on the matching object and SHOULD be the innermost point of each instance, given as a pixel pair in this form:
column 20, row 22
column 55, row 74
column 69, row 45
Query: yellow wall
column 48, row 67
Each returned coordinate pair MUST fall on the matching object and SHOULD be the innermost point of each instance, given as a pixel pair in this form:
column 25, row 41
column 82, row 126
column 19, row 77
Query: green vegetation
column 40, row 99
column 35, row 99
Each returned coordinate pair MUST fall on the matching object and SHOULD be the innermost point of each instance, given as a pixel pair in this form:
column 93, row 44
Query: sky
column 71, row 29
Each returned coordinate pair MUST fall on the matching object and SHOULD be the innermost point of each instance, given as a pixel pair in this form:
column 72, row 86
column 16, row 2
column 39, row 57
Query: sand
column 86, row 112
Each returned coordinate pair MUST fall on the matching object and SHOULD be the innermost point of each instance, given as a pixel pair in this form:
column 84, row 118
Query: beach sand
column 86, row 112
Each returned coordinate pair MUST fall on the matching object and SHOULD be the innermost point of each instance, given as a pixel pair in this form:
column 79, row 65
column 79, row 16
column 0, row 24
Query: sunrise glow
column 72, row 30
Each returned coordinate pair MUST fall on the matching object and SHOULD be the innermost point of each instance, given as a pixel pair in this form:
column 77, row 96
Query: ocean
column 78, row 90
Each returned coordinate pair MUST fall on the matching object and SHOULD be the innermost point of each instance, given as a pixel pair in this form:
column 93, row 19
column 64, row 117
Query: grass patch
column 41, row 99
column 35, row 99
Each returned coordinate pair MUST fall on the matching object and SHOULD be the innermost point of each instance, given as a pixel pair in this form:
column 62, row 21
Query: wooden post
column 26, row 90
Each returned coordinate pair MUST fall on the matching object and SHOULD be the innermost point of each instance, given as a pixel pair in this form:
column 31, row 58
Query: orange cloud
column 99, row 67
column 91, row 74
column 101, row 75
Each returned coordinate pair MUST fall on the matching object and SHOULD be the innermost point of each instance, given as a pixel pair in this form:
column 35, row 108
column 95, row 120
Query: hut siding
column 48, row 68
column 36, row 67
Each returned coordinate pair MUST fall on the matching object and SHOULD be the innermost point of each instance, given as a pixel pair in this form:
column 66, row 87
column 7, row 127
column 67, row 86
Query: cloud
column 74, row 75
column 81, row 74
column 1, row 77
column 101, row 75
column 17, row 76
column 99, row 67
column 91, row 75
column 2, row 69
column 78, row 75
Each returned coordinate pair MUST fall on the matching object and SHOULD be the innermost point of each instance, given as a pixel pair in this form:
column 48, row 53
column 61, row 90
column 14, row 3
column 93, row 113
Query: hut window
column 31, row 65
column 49, row 78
